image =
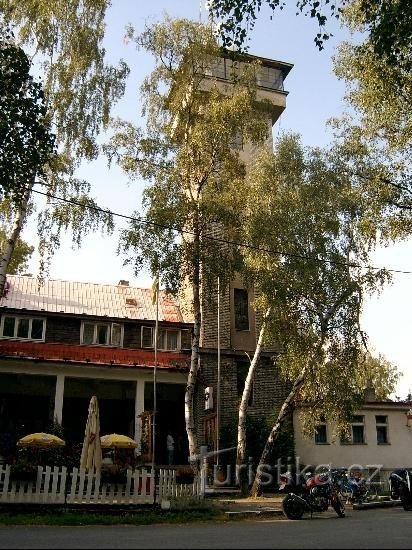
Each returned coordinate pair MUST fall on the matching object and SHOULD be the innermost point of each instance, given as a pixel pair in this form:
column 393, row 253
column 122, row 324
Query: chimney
column 369, row 393
column 122, row 282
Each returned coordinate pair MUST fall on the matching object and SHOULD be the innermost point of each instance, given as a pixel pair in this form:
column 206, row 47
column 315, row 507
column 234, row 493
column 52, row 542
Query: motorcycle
column 400, row 484
column 315, row 493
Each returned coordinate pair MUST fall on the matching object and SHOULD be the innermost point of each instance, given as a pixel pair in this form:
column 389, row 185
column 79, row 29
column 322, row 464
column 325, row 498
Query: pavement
column 271, row 505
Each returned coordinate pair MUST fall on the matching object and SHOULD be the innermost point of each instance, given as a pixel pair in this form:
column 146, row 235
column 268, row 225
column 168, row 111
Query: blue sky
column 315, row 95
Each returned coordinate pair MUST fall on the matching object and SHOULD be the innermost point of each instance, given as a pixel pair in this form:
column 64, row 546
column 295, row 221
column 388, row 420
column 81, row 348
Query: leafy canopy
column 304, row 207
column 26, row 142
column 186, row 154
column 387, row 23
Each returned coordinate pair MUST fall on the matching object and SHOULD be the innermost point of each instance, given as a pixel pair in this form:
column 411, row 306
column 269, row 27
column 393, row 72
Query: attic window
column 131, row 302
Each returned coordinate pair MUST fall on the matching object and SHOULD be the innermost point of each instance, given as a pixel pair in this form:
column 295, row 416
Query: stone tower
column 237, row 316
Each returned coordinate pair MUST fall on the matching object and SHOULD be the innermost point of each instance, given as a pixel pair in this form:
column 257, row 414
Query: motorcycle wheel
column 407, row 504
column 292, row 508
column 338, row 506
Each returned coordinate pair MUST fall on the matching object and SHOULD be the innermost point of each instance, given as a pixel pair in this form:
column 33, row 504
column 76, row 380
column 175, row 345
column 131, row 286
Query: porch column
column 58, row 398
column 139, row 408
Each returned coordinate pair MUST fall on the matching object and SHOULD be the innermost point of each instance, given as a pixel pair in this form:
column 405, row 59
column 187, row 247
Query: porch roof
column 115, row 357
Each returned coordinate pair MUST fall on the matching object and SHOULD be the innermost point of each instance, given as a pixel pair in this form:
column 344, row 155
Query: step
column 250, row 513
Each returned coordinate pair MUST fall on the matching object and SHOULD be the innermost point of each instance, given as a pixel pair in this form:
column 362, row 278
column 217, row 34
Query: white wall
column 397, row 452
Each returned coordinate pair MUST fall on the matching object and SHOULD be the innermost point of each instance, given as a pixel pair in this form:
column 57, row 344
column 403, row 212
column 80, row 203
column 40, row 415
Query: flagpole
column 155, row 379
column 218, row 376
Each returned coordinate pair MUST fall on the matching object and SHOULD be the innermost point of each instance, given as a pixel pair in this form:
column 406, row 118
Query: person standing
column 170, row 446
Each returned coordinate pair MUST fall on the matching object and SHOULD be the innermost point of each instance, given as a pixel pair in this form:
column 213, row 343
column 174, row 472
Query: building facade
column 380, row 441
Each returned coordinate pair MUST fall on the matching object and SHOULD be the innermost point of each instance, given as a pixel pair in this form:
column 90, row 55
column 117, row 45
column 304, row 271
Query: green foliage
column 195, row 177
column 19, row 262
column 66, row 37
column 311, row 267
column 26, row 142
column 388, row 24
column 379, row 373
column 65, row 41
column 72, row 517
column 379, row 88
column 237, row 17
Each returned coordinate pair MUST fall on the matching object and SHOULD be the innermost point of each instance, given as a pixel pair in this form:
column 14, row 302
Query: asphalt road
column 379, row 528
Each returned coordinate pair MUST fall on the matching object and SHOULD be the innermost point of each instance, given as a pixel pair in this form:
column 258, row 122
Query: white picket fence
column 49, row 486
column 58, row 486
column 168, row 488
column 87, row 488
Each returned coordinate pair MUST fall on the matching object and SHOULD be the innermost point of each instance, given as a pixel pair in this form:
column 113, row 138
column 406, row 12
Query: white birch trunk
column 193, row 372
column 283, row 414
column 241, row 429
column 18, row 222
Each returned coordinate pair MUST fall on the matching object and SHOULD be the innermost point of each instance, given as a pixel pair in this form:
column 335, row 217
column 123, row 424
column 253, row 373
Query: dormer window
column 168, row 339
column 101, row 334
column 24, row 328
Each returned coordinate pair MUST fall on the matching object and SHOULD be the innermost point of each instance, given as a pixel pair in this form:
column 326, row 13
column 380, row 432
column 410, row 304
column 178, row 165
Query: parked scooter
column 358, row 488
column 314, row 493
column 400, row 483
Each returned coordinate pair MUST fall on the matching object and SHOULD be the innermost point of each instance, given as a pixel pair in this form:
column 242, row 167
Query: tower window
column 241, row 303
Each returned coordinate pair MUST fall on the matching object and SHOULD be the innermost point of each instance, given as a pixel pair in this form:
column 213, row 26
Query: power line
column 217, row 239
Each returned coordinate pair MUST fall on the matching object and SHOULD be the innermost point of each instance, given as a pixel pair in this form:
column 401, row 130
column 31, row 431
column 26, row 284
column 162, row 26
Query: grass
column 68, row 517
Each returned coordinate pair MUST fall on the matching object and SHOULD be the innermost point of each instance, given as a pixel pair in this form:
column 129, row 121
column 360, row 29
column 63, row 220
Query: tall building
column 239, row 325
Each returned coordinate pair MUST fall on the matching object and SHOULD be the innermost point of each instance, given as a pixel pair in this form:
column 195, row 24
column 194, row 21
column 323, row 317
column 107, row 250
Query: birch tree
column 379, row 91
column 64, row 41
column 195, row 176
column 310, row 264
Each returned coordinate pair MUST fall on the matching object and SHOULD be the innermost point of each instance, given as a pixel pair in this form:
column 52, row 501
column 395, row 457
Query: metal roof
column 101, row 300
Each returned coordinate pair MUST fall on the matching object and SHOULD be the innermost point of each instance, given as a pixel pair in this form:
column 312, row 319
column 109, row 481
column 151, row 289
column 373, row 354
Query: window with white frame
column 168, row 339
column 103, row 334
column 381, row 429
column 357, row 431
column 24, row 328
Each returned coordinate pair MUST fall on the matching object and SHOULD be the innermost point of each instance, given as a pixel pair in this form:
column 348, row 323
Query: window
column 24, row 328
column 357, row 431
column 381, row 430
column 185, row 339
column 321, row 435
column 168, row 339
column 241, row 304
column 102, row 334
column 241, row 370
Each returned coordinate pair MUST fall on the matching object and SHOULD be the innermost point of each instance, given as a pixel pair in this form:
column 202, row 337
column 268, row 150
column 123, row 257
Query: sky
column 315, row 95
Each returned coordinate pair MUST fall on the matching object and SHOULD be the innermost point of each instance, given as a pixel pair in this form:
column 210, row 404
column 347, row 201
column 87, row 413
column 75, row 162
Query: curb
column 381, row 504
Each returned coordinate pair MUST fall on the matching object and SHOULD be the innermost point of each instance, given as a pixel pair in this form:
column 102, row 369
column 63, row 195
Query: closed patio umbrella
column 91, row 458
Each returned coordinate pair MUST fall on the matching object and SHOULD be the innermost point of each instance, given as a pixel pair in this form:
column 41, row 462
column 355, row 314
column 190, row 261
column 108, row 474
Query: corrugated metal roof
column 116, row 301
